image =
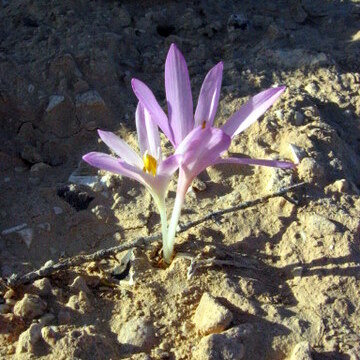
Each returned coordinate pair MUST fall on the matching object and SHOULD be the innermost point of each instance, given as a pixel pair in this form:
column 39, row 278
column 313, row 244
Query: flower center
column 150, row 164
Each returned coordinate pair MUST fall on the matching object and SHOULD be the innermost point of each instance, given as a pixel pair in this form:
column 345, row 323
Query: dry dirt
column 65, row 70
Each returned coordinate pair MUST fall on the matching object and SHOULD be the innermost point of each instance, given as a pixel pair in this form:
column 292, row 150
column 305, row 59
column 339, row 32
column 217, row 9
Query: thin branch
column 51, row 267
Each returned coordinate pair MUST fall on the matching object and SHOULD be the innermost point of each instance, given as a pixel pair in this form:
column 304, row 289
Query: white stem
column 179, row 201
column 160, row 202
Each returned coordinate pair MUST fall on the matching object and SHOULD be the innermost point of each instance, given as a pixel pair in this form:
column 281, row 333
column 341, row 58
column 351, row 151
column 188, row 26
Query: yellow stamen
column 203, row 124
column 150, row 164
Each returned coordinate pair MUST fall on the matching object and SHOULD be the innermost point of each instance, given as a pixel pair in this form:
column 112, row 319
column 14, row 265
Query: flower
column 193, row 135
column 150, row 169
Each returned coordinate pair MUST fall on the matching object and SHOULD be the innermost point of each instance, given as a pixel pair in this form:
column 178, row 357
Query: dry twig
column 50, row 267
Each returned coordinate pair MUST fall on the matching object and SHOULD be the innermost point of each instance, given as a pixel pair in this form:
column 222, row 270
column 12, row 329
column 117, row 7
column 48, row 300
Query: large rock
column 30, row 306
column 29, row 338
column 210, row 316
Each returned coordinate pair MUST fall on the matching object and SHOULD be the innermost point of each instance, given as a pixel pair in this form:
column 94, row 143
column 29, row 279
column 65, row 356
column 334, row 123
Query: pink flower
column 193, row 135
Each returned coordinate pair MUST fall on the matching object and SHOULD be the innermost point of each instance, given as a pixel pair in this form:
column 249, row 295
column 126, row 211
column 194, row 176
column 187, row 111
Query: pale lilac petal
column 109, row 163
column 147, row 98
column 178, row 94
column 169, row 165
column 120, row 148
column 201, row 148
column 209, row 96
column 251, row 111
column 260, row 162
column 148, row 133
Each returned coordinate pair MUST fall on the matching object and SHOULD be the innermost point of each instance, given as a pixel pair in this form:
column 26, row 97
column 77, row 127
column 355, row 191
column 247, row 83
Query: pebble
column 50, row 334
column 297, row 152
column 90, row 98
column 58, row 210
column 210, row 316
column 309, row 170
column 46, row 319
column 302, row 351
column 225, row 346
column 30, row 306
column 54, row 101
column 298, row 118
column 29, row 338
column 341, row 186
column 80, row 303
column 42, row 287
column 27, row 236
column 312, row 89
column 40, row 167
column 79, row 284
column 137, row 333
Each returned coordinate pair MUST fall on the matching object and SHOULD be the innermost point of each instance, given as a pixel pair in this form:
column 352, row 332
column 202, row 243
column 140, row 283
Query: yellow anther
column 203, row 124
column 150, row 164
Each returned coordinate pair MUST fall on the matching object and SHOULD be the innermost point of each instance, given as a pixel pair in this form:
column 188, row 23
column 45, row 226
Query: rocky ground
column 65, row 70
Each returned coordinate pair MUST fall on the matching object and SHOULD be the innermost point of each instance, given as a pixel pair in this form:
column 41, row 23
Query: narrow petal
column 178, row 94
column 148, row 133
column 209, row 96
column 120, row 148
column 109, row 163
column 147, row 98
column 251, row 111
column 170, row 165
column 260, row 162
column 201, row 148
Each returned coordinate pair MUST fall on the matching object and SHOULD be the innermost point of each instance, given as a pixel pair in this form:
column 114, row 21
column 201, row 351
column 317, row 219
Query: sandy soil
column 65, row 71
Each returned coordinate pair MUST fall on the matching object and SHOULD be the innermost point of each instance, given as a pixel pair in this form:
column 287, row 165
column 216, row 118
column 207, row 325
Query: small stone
column 50, row 335
column 298, row 153
column 101, row 212
column 210, row 316
column 309, row 170
column 58, row 210
column 46, row 319
column 74, row 195
column 29, row 338
column 27, row 236
column 79, row 284
column 342, row 185
column 298, row 118
column 40, row 167
column 31, row 88
column 9, row 294
column 225, row 346
column 30, row 306
column 45, row 226
column 198, row 185
column 137, row 333
column 312, row 89
column 54, row 101
column 237, row 21
column 42, row 287
column 80, row 303
column 302, row 351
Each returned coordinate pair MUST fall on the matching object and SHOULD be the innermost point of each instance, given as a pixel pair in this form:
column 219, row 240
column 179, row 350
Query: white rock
column 302, row 351
column 58, row 210
column 27, row 235
column 210, row 316
column 54, row 101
